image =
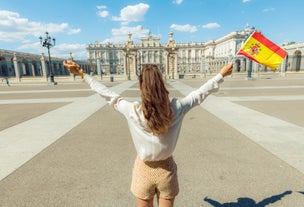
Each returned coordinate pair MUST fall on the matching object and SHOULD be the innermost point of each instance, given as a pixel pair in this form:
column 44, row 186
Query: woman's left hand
column 73, row 67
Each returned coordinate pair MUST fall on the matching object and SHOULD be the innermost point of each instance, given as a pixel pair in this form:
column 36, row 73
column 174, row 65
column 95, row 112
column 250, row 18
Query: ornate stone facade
column 175, row 60
column 294, row 60
column 19, row 65
column 179, row 59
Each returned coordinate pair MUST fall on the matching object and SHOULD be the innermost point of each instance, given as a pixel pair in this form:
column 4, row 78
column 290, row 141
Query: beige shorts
column 155, row 177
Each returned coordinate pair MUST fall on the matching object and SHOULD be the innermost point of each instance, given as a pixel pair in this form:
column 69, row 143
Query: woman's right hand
column 227, row 69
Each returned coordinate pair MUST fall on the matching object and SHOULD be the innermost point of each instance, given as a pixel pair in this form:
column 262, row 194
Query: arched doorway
column 4, row 70
column 238, row 65
column 286, row 61
column 3, row 67
column 297, row 60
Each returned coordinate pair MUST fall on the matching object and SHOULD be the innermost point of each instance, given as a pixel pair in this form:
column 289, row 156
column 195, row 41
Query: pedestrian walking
column 155, row 124
column 7, row 81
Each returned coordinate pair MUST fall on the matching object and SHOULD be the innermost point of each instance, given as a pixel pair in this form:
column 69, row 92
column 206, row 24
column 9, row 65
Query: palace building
column 175, row 60
column 19, row 65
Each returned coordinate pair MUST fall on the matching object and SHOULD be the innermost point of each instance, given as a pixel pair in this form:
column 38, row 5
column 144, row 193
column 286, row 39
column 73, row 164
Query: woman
column 154, row 124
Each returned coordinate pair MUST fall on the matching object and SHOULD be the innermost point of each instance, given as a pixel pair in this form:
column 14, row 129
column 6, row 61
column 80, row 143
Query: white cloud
column 103, row 14
column 60, row 51
column 268, row 10
column 80, row 54
column 132, row 13
column 184, row 28
column 63, row 51
column 211, row 25
column 74, row 31
column 70, row 47
column 177, row 1
column 245, row 1
column 15, row 28
column 31, row 46
column 120, row 35
column 24, row 32
column 56, row 28
column 101, row 7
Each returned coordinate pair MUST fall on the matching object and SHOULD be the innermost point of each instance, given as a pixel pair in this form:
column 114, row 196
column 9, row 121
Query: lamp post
column 47, row 42
column 248, row 31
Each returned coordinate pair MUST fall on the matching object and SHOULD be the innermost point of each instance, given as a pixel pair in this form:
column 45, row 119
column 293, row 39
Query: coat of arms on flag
column 260, row 49
column 255, row 49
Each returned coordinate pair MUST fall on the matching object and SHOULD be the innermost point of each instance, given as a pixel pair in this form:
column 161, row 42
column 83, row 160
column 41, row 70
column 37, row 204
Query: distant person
column 7, row 81
column 154, row 124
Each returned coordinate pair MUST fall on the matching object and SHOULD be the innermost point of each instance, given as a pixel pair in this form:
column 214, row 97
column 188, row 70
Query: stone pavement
column 64, row 146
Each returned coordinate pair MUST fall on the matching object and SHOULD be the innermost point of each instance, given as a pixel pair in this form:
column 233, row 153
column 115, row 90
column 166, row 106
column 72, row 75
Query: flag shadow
column 248, row 202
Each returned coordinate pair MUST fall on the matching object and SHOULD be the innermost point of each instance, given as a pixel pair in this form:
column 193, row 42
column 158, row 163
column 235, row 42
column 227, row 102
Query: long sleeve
column 197, row 96
column 110, row 96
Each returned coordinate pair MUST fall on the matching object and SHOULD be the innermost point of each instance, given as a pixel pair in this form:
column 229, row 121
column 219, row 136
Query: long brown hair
column 155, row 99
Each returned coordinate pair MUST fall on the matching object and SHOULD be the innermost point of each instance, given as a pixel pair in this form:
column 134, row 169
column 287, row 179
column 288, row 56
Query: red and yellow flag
column 260, row 49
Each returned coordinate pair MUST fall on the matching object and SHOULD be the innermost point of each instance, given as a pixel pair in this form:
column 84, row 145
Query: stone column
column 166, row 54
column 282, row 67
column 98, row 67
column 175, row 66
column 243, row 63
column 134, row 65
column 33, row 69
column 17, row 72
column 43, row 67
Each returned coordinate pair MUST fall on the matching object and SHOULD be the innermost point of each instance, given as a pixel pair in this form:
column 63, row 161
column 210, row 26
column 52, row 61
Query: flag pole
column 245, row 42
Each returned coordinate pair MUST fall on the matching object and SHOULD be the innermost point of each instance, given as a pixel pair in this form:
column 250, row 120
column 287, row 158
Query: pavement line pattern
column 44, row 100
column 262, row 87
column 264, row 98
column 281, row 138
column 21, row 142
column 44, row 91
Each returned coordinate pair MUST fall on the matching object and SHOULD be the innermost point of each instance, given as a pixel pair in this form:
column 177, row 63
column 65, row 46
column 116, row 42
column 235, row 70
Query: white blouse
column 148, row 146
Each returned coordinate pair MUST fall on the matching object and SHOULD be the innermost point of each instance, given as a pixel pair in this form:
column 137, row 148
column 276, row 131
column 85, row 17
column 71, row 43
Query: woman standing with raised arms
column 154, row 124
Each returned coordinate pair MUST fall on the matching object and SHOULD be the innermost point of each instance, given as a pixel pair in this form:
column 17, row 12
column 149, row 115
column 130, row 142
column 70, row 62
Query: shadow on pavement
column 248, row 202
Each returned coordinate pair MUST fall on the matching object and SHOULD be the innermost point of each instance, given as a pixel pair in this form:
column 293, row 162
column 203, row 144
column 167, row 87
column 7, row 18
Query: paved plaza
column 63, row 146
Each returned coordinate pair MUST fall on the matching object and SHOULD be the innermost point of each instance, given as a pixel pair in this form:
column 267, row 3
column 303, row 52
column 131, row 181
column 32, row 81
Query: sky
column 76, row 23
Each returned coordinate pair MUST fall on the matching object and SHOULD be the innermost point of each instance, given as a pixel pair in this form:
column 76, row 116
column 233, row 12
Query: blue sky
column 76, row 23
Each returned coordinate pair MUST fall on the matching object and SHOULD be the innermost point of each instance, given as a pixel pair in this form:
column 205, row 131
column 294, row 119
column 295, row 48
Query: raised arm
column 95, row 85
column 197, row 96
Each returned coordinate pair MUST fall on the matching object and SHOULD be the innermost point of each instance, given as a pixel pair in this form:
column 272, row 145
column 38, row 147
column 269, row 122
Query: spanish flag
column 260, row 49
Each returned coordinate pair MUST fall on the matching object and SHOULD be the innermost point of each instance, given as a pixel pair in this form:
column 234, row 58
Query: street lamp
column 47, row 42
column 248, row 31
